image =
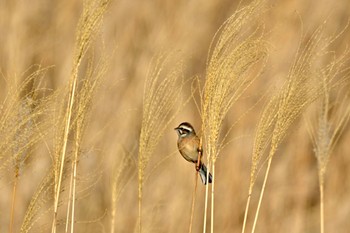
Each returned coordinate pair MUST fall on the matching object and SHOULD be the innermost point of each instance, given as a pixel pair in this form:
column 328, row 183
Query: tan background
column 42, row 32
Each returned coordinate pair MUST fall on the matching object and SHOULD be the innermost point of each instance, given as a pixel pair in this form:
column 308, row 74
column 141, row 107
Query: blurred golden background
column 132, row 34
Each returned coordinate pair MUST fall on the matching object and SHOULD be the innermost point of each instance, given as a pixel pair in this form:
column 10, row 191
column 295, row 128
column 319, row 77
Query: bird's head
column 185, row 129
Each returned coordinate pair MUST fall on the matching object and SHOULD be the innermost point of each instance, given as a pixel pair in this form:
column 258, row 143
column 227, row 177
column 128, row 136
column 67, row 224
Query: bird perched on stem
column 188, row 144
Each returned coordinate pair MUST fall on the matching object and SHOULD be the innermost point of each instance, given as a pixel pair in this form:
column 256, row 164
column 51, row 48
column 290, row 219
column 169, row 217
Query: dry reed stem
column 206, row 200
column 74, row 172
column 195, row 185
column 212, row 200
column 162, row 94
column 13, row 202
column 193, row 202
column 68, row 214
column 269, row 116
column 321, row 208
column 235, row 54
column 64, row 147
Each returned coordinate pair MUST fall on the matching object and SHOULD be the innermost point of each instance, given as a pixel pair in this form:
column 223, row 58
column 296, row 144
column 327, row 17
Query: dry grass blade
column 162, row 94
column 235, row 54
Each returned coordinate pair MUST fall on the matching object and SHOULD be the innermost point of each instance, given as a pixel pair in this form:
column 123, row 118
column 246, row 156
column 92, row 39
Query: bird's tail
column 203, row 174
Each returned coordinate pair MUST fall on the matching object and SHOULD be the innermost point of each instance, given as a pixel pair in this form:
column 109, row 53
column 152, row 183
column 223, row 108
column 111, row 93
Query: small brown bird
column 188, row 144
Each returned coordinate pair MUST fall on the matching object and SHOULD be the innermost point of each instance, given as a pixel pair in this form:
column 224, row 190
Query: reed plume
column 237, row 55
column 286, row 106
column 23, row 120
column 88, row 25
column 161, row 96
column 333, row 115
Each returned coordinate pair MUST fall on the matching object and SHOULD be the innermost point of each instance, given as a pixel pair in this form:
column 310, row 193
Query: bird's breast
column 189, row 149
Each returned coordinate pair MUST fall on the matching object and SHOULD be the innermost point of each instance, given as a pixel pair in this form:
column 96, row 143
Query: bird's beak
column 176, row 128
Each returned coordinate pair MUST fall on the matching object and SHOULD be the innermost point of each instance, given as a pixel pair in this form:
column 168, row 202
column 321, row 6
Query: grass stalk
column 247, row 208
column 206, row 204
column 195, row 185
column 69, row 201
column 79, row 128
column 321, row 186
column 212, row 199
column 262, row 194
column 193, row 202
column 75, row 162
column 140, row 202
column 64, row 147
column 13, row 202
column 72, row 185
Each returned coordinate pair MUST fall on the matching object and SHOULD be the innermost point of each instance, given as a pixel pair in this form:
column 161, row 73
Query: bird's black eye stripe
column 185, row 131
column 186, row 128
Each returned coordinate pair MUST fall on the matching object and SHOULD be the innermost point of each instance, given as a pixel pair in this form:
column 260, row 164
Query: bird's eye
column 185, row 132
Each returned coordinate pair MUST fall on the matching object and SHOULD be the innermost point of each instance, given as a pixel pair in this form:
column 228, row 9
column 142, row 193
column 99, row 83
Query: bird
column 188, row 145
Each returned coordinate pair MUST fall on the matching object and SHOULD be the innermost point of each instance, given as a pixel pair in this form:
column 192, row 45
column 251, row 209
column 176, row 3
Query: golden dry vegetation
column 90, row 92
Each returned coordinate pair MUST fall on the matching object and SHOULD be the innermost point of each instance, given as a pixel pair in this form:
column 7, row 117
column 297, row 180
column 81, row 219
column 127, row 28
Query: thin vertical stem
column 74, row 185
column 193, row 203
column 212, row 199
column 114, row 200
column 247, row 208
column 140, row 200
column 69, row 201
column 74, row 172
column 64, row 147
column 14, row 192
column 262, row 193
column 195, row 186
column 321, row 207
column 206, row 201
